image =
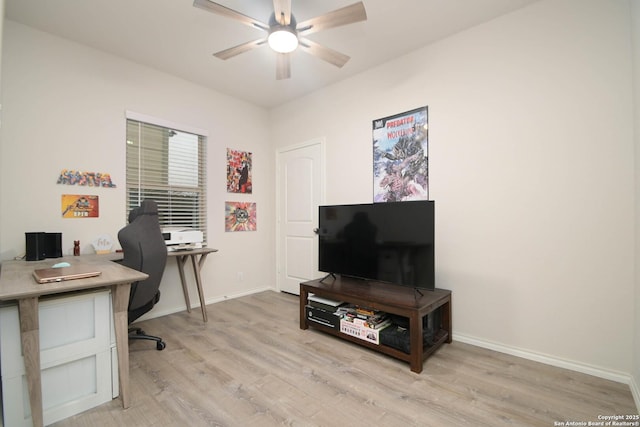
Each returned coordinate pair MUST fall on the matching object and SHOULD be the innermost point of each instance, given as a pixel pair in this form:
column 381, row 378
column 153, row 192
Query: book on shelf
column 378, row 325
column 358, row 329
column 362, row 311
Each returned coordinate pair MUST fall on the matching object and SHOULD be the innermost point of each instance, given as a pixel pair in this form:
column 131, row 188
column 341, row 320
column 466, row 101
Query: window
column 168, row 165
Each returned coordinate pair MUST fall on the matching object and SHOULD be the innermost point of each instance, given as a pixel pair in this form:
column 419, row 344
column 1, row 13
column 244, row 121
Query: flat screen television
column 385, row 242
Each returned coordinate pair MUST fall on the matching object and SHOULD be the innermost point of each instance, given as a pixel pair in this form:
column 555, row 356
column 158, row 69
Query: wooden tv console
column 390, row 298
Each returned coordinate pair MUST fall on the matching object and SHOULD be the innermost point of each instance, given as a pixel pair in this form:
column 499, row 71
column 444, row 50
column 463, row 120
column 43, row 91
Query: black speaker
column 53, row 245
column 35, row 243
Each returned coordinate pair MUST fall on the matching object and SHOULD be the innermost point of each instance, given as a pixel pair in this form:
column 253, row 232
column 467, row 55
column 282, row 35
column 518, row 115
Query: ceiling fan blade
column 282, row 11
column 331, row 56
column 283, row 66
column 337, row 18
column 230, row 13
column 241, row 48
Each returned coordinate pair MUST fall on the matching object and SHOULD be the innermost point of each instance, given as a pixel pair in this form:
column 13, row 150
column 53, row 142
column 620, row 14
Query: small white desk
column 18, row 284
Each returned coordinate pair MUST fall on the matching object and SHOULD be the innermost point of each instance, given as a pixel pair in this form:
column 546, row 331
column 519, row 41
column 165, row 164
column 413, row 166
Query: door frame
column 321, row 141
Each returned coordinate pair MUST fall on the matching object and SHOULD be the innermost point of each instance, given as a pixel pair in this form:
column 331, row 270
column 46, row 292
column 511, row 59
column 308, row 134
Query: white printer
column 182, row 238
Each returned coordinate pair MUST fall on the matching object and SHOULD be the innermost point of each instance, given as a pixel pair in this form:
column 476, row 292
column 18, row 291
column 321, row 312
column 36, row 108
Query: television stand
column 389, row 298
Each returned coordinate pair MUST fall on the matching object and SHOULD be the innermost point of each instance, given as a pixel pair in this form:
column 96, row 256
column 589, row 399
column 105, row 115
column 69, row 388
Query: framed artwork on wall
column 239, row 166
column 80, row 206
column 240, row 216
column 401, row 157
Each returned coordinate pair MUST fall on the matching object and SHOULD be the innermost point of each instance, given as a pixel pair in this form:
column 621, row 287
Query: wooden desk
column 181, row 258
column 18, row 284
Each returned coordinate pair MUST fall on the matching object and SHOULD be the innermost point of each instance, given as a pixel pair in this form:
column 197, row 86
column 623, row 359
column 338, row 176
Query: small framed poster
column 240, row 216
column 80, row 206
column 239, row 167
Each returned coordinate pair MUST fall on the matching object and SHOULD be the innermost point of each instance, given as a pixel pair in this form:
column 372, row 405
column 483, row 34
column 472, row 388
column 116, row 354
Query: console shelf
column 390, row 298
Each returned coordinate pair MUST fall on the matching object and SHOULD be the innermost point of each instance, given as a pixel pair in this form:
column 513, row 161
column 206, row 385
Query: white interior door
column 300, row 184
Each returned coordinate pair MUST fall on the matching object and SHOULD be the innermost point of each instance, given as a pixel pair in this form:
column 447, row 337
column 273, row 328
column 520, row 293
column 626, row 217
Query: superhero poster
column 240, row 216
column 239, row 172
column 401, row 157
column 80, row 206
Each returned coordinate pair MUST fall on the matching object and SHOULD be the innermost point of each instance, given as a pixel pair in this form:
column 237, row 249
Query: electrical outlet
column 240, row 276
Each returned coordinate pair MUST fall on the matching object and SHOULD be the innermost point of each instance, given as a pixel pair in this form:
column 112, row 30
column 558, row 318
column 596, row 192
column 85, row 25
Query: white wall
column 64, row 108
column 1, row 32
column 531, row 168
column 635, row 19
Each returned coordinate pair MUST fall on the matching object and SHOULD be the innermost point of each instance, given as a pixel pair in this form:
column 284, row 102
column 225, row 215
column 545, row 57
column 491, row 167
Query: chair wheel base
column 139, row 334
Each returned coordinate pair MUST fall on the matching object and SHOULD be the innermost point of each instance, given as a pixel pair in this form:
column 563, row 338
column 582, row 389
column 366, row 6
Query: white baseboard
column 635, row 392
column 176, row 309
column 238, row 295
column 620, row 377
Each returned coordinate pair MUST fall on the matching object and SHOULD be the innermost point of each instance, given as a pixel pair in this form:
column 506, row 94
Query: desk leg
column 120, row 301
column 197, row 266
column 30, row 338
column 182, row 259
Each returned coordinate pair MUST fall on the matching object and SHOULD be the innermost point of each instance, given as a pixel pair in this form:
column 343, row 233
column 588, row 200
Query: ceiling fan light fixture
column 283, row 39
column 283, row 32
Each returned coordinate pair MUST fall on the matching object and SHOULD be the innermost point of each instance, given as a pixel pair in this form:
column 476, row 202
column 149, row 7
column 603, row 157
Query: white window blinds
column 168, row 166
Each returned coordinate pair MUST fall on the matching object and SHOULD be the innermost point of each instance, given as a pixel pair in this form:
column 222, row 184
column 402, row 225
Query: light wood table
column 198, row 257
column 18, row 284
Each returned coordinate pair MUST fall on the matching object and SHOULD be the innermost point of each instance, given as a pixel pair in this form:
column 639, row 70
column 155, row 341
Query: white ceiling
column 177, row 38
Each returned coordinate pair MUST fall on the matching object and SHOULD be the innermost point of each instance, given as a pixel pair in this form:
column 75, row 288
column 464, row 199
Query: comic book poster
column 240, row 216
column 239, row 171
column 401, row 157
column 80, row 206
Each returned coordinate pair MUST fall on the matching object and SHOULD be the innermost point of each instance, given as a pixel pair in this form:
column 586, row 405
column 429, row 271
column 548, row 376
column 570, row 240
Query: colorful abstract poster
column 91, row 179
column 80, row 206
column 239, row 171
column 401, row 157
column 240, row 216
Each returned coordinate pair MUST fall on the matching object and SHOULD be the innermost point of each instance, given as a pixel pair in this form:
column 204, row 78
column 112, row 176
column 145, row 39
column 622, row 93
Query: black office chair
column 144, row 250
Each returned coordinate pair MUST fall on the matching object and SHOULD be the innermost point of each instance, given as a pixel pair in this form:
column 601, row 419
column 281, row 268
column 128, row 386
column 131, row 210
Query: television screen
column 387, row 242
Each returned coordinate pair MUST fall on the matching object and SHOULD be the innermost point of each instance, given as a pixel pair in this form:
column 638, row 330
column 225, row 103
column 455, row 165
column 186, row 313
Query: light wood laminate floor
column 251, row 365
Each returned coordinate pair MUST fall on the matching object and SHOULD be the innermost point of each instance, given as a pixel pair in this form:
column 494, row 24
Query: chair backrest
column 144, row 250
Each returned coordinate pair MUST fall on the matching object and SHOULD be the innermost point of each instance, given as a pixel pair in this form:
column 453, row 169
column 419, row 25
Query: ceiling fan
column 284, row 34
